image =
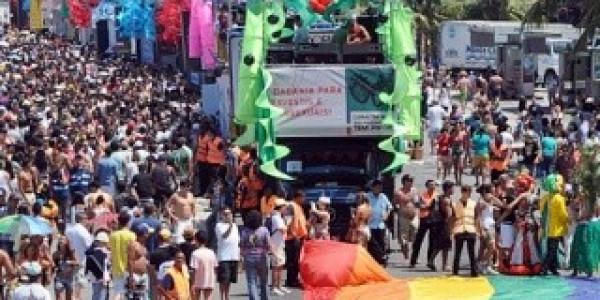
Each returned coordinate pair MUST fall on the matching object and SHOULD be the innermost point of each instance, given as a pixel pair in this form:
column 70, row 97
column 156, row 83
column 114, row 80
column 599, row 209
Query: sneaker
column 491, row 271
column 285, row 290
column 277, row 292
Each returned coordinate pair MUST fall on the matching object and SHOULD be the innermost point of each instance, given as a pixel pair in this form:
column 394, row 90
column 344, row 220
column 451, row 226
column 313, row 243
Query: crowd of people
column 112, row 155
column 106, row 152
column 518, row 229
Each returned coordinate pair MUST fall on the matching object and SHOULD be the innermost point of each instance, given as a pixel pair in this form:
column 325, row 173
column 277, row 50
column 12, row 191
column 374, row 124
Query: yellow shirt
column 558, row 216
column 119, row 240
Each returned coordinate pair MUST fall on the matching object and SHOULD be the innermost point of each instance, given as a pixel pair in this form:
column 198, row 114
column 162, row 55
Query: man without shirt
column 137, row 263
column 181, row 209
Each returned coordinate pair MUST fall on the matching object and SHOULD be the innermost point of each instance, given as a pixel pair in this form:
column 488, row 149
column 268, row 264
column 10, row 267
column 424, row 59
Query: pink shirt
column 204, row 263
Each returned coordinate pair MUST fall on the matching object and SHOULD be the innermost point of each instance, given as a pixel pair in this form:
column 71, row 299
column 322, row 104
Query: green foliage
column 587, row 176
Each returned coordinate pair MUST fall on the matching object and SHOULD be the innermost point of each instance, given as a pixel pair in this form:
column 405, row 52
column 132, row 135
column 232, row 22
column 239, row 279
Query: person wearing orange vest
column 465, row 227
column 425, row 202
column 297, row 232
column 176, row 283
column 246, row 197
column 202, row 168
column 215, row 157
column 499, row 158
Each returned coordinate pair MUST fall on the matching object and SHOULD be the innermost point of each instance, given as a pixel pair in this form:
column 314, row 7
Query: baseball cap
column 325, row 200
column 142, row 228
column 102, row 237
column 165, row 234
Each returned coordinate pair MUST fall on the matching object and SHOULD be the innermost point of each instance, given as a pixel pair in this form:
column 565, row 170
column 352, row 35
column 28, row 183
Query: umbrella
column 20, row 225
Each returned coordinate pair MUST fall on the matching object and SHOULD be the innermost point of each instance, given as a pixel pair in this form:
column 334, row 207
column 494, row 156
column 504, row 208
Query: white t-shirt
column 507, row 138
column 435, row 116
column 80, row 239
column 278, row 237
column 33, row 291
column 228, row 249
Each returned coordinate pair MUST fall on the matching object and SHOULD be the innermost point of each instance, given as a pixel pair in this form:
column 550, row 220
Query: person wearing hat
column 31, row 284
column 381, row 207
column 405, row 200
column 319, row 218
column 97, row 265
column 278, row 230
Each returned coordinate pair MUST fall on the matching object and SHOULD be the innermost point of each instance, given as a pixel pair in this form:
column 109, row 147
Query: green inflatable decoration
column 404, row 103
column 265, row 25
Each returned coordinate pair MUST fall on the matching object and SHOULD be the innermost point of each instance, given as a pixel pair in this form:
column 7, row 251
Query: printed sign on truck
column 331, row 101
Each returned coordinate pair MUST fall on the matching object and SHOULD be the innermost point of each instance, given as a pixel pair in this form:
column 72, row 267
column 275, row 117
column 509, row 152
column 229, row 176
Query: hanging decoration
column 201, row 39
column 136, row 19
column 36, row 19
column 105, row 10
column 168, row 19
column 264, row 25
column 404, row 103
column 80, row 14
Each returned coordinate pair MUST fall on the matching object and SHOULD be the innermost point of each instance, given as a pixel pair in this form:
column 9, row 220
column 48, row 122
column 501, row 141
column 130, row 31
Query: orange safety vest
column 499, row 160
column 202, row 148
column 181, row 289
column 427, row 199
column 256, row 182
column 247, row 198
column 215, row 155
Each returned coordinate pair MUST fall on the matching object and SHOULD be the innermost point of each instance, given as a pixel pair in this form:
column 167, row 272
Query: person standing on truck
column 381, row 207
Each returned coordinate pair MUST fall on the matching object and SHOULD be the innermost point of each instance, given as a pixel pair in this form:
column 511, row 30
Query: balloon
column 317, row 7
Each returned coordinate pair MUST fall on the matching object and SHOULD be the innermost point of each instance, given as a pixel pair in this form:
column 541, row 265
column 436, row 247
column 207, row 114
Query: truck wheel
column 550, row 79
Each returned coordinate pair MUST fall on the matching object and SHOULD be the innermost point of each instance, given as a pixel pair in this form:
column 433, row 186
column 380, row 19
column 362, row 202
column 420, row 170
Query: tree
column 584, row 14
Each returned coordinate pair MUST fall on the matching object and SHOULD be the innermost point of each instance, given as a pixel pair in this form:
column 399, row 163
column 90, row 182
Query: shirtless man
column 29, row 181
column 464, row 86
column 91, row 199
column 181, row 210
column 9, row 271
column 495, row 87
column 404, row 200
column 137, row 263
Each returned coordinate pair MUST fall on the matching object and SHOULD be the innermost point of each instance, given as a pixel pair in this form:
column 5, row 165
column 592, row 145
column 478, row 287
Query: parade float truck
column 332, row 123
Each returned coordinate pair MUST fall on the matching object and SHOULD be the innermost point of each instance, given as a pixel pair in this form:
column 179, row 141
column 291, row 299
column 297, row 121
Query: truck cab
column 543, row 53
column 338, row 168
